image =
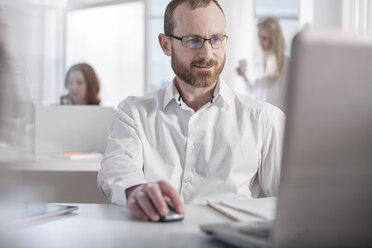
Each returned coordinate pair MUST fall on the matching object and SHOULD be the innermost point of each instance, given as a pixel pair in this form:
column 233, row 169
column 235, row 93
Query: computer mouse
column 172, row 214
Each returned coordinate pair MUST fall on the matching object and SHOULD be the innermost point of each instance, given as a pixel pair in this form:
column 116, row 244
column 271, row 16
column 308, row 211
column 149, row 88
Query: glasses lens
column 192, row 41
column 218, row 41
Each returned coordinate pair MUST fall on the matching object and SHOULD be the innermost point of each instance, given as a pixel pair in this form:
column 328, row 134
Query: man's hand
column 148, row 201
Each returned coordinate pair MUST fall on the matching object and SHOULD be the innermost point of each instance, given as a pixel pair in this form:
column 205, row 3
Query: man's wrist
column 129, row 191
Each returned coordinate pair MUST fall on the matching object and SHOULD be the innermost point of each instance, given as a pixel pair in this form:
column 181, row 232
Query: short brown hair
column 90, row 78
column 168, row 15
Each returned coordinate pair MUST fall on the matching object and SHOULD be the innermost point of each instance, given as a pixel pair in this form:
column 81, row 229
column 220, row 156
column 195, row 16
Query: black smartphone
column 172, row 214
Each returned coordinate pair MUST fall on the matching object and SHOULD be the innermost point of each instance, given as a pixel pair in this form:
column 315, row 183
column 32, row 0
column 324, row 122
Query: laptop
column 61, row 129
column 325, row 195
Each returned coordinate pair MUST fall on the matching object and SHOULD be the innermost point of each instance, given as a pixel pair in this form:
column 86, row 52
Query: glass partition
column 111, row 38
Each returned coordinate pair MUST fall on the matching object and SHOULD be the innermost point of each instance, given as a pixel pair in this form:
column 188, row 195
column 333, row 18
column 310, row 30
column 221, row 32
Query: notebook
column 245, row 209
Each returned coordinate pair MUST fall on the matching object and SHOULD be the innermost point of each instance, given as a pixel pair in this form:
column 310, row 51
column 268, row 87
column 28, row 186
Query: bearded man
column 195, row 138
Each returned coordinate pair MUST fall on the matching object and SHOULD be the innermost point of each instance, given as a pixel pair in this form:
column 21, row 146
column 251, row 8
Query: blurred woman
column 270, row 75
column 82, row 84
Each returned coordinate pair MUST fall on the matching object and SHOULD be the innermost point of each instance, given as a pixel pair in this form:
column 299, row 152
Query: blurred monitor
column 71, row 128
column 325, row 195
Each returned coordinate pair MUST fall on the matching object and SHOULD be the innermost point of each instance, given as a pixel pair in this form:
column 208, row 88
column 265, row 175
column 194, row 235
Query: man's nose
column 206, row 50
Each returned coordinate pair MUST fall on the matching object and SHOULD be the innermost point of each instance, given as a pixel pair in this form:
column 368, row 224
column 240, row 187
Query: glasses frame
column 204, row 39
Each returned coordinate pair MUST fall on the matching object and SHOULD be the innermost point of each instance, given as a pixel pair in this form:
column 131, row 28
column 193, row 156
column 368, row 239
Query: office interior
column 119, row 38
column 44, row 38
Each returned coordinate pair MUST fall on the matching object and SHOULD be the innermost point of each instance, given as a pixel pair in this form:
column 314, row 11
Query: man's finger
column 169, row 191
column 136, row 209
column 145, row 203
column 156, row 196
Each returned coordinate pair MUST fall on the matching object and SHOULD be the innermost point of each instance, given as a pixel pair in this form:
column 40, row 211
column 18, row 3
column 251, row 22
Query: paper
column 78, row 155
column 261, row 207
column 233, row 214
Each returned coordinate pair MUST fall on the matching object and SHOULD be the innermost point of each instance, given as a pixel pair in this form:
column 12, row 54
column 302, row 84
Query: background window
column 111, row 38
column 287, row 11
column 161, row 73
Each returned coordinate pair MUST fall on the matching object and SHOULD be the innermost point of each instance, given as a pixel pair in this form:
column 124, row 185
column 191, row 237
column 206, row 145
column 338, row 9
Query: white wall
column 240, row 27
column 357, row 15
column 352, row 15
column 327, row 13
column 321, row 13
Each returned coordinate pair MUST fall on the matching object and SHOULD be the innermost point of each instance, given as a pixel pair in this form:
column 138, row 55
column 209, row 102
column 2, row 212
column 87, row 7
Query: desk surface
column 48, row 163
column 106, row 225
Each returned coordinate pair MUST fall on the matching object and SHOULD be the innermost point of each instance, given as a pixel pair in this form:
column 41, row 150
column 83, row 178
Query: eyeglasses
column 195, row 42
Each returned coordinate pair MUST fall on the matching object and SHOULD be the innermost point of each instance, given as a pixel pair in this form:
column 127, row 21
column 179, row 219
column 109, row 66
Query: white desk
column 54, row 179
column 106, row 225
column 48, row 163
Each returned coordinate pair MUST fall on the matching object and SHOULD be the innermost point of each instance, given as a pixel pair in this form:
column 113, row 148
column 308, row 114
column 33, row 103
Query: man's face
column 198, row 67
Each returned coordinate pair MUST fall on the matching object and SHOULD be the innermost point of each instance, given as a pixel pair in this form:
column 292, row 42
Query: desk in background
column 61, row 129
column 53, row 179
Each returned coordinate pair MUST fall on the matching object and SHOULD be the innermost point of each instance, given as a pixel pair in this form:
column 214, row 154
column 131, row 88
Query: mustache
column 203, row 62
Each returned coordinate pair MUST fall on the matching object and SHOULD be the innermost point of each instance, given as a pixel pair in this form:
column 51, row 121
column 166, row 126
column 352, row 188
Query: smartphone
column 172, row 214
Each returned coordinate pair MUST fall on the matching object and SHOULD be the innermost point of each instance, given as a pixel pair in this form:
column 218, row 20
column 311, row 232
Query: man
column 195, row 138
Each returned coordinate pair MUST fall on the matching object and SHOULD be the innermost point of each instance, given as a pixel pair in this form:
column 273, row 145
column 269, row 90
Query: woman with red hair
column 83, row 86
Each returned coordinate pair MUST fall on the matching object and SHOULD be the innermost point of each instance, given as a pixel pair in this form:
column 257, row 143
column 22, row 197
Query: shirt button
column 187, row 180
column 192, row 147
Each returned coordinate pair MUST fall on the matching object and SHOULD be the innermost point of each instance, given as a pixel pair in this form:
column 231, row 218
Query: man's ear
column 165, row 44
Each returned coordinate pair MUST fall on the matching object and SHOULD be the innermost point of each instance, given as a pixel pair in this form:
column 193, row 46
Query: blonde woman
column 270, row 74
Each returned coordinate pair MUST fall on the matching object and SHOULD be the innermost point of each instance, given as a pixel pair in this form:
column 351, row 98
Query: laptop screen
column 71, row 128
column 325, row 195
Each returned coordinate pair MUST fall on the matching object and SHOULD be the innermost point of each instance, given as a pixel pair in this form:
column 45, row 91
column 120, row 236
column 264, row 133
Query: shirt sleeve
column 269, row 171
column 122, row 165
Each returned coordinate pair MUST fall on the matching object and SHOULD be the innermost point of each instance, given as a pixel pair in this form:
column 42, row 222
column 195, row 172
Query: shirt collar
column 222, row 90
column 170, row 93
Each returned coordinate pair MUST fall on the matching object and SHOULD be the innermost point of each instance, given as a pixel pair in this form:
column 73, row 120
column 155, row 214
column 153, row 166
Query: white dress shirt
column 229, row 148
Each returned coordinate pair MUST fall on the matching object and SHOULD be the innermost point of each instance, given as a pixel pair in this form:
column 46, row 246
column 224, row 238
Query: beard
column 193, row 77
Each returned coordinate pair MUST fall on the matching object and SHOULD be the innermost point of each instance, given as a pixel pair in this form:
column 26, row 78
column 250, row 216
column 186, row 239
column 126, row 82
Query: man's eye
column 216, row 40
column 194, row 40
